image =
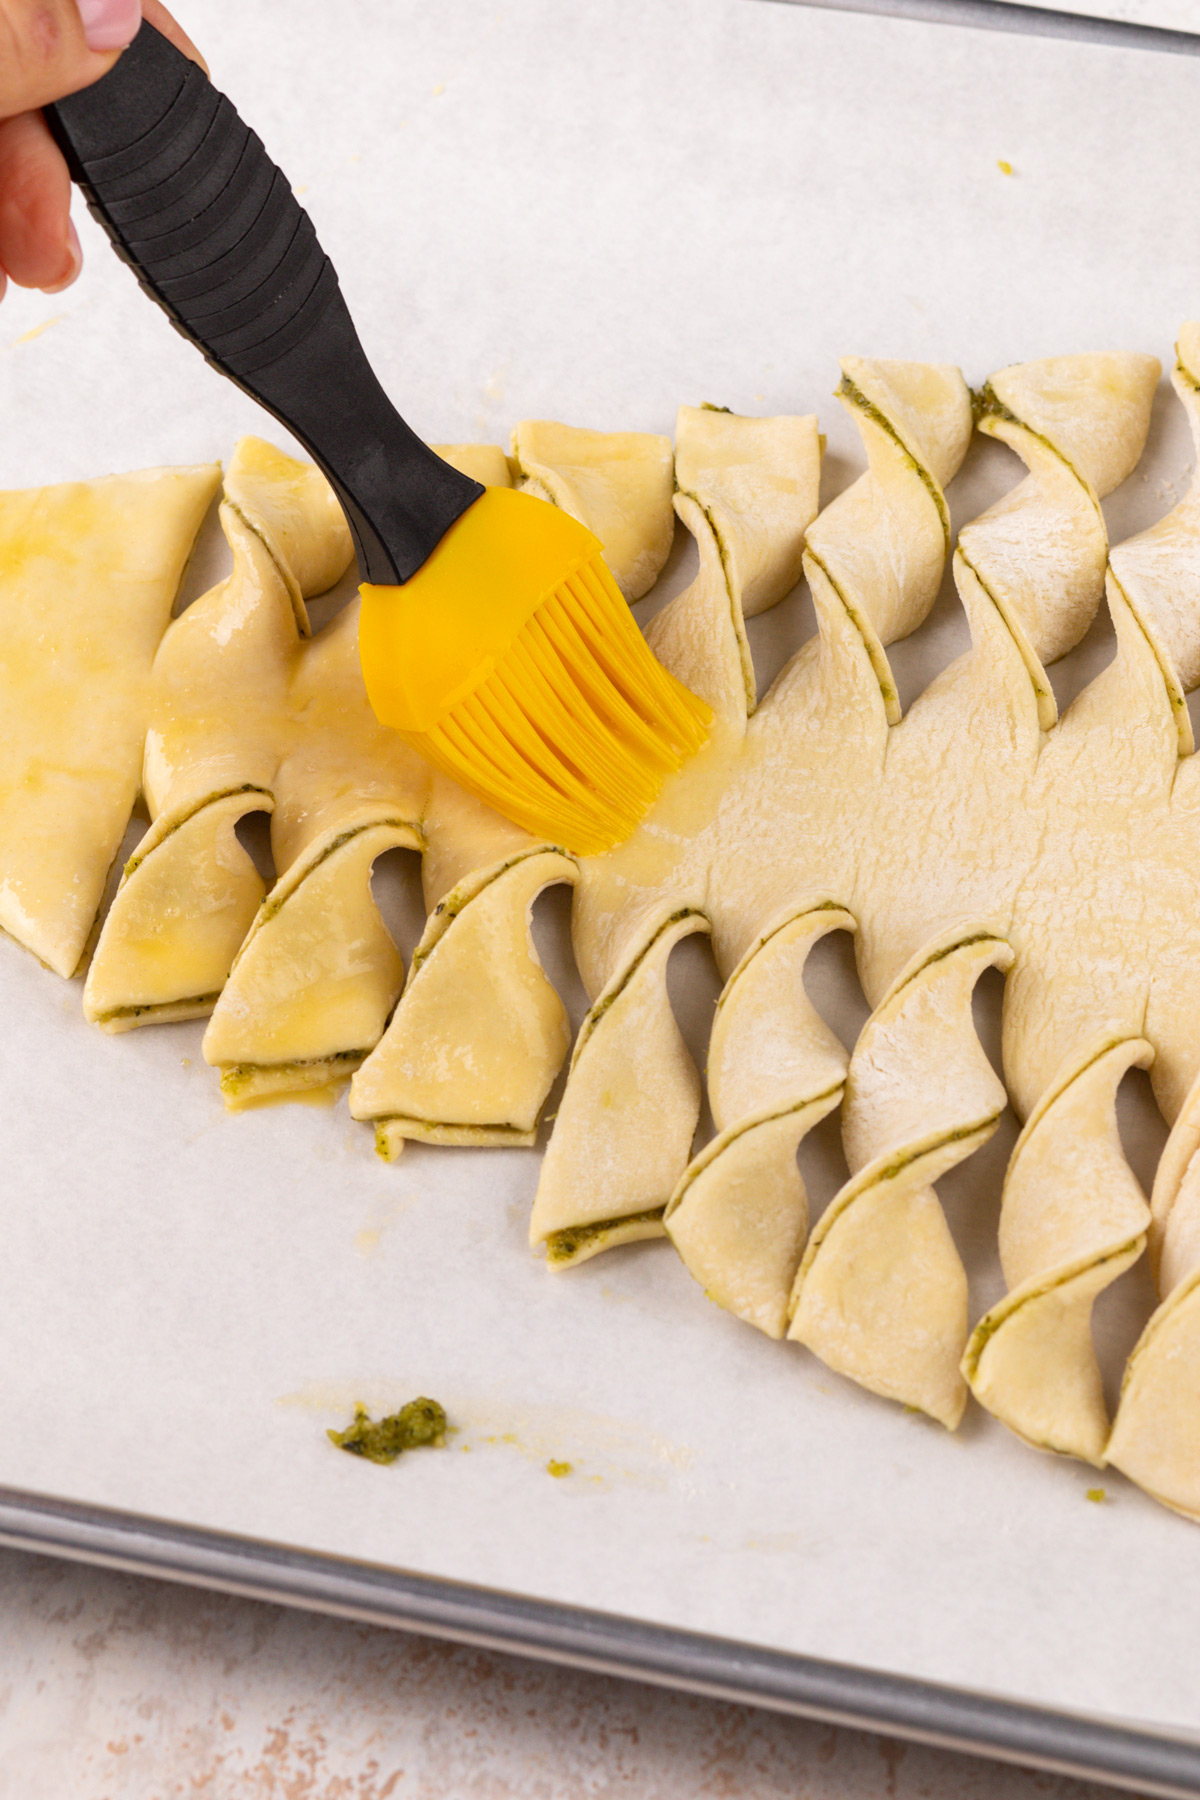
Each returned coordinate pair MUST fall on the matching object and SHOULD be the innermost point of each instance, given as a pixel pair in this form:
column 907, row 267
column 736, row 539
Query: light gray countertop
column 114, row 1687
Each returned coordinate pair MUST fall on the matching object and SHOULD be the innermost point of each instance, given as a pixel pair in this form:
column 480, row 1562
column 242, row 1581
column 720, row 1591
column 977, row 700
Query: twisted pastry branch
column 481, row 1032
column 617, row 483
column 1072, row 1219
column 882, row 544
column 1039, row 553
column 739, row 1215
column 627, row 1117
column 751, row 493
column 881, row 1295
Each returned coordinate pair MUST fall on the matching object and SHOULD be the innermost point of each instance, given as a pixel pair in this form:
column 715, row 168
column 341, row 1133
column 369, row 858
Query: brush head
column 511, row 661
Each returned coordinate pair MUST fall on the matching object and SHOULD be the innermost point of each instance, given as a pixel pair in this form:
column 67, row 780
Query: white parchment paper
column 593, row 213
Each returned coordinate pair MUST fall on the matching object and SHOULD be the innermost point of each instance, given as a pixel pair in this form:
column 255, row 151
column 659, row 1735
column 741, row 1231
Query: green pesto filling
column 825, row 906
column 892, row 1169
column 451, row 908
column 157, row 1006
column 1040, row 688
column 1001, row 1313
column 139, row 856
column 239, row 1076
column 987, row 404
column 598, row 1011
column 735, row 610
column 384, row 1119
column 848, row 390
column 886, row 688
column 383, row 1440
column 980, row 937
column 710, row 406
column 1174, row 696
column 278, row 901
column 564, row 1246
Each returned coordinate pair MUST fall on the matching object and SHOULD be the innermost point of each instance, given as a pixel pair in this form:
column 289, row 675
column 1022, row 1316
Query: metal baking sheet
column 1126, row 24
column 594, row 213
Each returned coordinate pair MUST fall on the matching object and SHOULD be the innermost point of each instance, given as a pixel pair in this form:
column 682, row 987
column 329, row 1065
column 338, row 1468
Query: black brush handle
column 214, row 233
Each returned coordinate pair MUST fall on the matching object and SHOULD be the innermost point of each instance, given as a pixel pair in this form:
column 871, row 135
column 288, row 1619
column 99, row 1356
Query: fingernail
column 110, row 24
column 75, row 263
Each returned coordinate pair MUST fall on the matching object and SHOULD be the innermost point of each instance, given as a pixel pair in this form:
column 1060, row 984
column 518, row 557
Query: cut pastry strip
column 881, row 1294
column 918, row 1072
column 883, row 543
column 316, row 979
column 480, row 1032
column 884, row 1298
column 756, row 481
column 1156, row 1434
column 218, row 709
column 1079, row 424
column 482, row 462
column 926, row 407
column 769, row 1045
column 1158, row 572
column 747, row 493
column 617, row 483
column 296, row 513
column 701, row 635
column 1093, row 408
column 186, row 901
column 627, row 1118
column 739, row 1215
column 1073, row 1218
column 90, row 572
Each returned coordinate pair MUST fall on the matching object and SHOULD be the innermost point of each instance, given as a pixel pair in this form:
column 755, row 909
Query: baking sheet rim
column 1021, row 18
column 1152, row 1762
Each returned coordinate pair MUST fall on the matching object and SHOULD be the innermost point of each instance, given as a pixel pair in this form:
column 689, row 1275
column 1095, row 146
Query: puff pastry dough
column 978, row 830
column 91, row 570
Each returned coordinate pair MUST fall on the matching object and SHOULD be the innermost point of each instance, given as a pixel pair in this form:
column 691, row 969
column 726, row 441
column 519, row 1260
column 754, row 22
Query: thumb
column 49, row 48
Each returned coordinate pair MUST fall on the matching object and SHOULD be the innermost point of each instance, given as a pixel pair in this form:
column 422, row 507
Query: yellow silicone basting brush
column 493, row 637
column 511, row 660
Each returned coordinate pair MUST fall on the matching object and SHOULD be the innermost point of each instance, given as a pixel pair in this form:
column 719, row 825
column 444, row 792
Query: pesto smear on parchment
column 383, row 1440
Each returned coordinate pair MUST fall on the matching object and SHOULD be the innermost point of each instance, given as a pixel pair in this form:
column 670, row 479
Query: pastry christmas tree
column 978, row 830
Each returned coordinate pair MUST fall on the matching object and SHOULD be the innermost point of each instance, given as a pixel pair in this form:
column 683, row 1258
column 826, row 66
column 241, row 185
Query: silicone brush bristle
column 578, row 725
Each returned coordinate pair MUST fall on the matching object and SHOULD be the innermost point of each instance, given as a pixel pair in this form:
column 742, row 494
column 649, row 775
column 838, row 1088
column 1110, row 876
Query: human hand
column 49, row 48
